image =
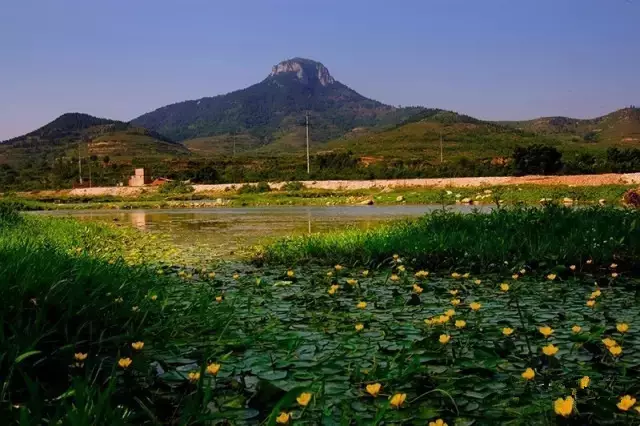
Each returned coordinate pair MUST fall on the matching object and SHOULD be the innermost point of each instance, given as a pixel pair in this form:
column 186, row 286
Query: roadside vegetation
column 521, row 316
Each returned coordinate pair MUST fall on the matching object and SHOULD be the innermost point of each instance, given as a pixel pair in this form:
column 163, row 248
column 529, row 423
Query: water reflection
column 226, row 230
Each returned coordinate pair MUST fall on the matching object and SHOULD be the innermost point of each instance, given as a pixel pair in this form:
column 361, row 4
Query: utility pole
column 441, row 156
column 80, row 164
column 307, row 128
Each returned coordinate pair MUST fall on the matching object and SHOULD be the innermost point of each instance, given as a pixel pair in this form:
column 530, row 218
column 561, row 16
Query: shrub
column 260, row 187
column 176, row 187
column 293, row 186
column 537, row 159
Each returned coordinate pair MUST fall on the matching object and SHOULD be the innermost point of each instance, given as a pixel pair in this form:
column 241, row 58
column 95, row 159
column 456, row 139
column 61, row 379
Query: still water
column 225, row 231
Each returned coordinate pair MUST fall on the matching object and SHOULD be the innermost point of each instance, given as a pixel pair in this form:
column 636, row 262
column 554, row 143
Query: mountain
column 619, row 127
column 70, row 132
column 273, row 109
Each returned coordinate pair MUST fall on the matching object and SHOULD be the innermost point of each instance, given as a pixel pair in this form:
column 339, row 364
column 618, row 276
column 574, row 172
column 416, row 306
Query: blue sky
column 493, row 59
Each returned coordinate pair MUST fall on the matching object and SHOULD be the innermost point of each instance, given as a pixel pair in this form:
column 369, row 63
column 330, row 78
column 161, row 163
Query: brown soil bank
column 576, row 180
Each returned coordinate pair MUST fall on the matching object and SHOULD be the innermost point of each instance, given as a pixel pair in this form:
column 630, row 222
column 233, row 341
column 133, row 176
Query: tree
column 537, row 160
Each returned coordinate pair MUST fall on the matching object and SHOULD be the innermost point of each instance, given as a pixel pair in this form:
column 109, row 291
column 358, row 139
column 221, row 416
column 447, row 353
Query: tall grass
column 478, row 240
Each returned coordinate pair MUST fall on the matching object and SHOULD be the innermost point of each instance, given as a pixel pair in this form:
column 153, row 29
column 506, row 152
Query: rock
column 466, row 201
column 399, row 198
column 602, row 201
column 366, row 203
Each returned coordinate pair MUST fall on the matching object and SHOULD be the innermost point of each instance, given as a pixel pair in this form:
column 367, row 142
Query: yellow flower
column 118, row 300
column 124, row 362
column 584, row 382
column 545, row 331
column 333, row 289
column 453, row 292
column 212, row 275
column 79, row 356
column 572, row 267
column 608, row 342
column 374, row 389
column 591, row 303
column 589, row 261
column 290, row 273
column 551, row 277
column 443, row 319
column 137, row 345
column 563, row 407
column 338, row 267
column 352, row 282
column 475, row 306
column 283, row 418
column 504, row 287
column 450, row 312
column 304, row 398
column 614, row 275
column 401, row 268
column 550, row 350
column 359, row 327
column 361, row 305
column 515, row 276
column 455, row 275
column 615, row 350
column 329, row 274
column 528, row 374
column 466, row 275
column 523, row 271
column 430, row 321
column 417, row 289
column 613, row 266
column 365, row 273
column 135, row 308
column 576, row 329
column 394, row 277
column 626, row 402
column 460, row 324
column 396, row 257
column 622, row 327
column 444, row 339
column 154, row 297
column 218, row 299
column 213, row 369
column 438, row 422
column 507, row 331
column 455, row 302
column 194, row 376
column 478, row 282
column 398, row 399
column 422, row 274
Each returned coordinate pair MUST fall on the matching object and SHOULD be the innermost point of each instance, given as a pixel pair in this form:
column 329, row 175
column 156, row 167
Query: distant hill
column 272, row 110
column 619, row 127
column 67, row 134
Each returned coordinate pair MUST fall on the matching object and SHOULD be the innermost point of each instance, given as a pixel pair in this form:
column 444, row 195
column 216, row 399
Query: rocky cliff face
column 306, row 70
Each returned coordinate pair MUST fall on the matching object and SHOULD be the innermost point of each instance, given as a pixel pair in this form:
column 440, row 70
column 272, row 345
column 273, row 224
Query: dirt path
column 577, row 180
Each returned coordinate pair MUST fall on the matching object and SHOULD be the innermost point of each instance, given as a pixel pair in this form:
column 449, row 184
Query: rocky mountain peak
column 306, row 70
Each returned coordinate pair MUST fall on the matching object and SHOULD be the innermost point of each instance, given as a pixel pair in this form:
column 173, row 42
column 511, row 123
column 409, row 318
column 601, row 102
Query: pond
column 225, row 231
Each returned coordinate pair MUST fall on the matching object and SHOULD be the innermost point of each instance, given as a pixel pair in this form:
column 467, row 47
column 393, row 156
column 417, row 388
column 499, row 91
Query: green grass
column 478, row 241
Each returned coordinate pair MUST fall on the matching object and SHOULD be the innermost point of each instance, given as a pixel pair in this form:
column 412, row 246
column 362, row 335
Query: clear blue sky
column 493, row 59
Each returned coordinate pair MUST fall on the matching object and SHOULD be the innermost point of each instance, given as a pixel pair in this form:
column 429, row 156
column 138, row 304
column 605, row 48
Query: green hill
column 274, row 107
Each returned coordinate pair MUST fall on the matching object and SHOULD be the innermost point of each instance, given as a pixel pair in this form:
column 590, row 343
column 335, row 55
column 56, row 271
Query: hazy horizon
column 498, row 60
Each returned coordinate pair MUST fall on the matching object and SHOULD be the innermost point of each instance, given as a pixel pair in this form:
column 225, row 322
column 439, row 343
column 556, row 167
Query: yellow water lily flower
column 194, row 376
column 460, row 324
column 374, row 389
column 453, row 292
column 213, row 369
column 550, row 349
column 137, row 345
column 329, row 274
column 218, row 299
column 615, row 350
column 626, row 402
column 394, row 277
column 417, row 289
column 563, row 407
column 613, row 266
column 304, row 398
column 401, row 268
column 154, row 297
column 396, row 257
column 551, row 277
column 444, row 339
column 466, row 275
column 450, row 312
column 79, row 356
column 124, row 362
column 398, row 399
column 438, row 422
column 477, row 282
column 584, row 382
column 504, row 287
column 455, row 275
column 365, row 273
column 442, row 319
column 422, row 274
column 507, row 331
column 622, row 327
column 359, row 327
column 545, row 331
column 338, row 267
column 283, row 418
column 523, row 271
column 608, row 342
column 290, row 273
column 455, row 302
column 591, row 303
column 333, row 289
column 515, row 276
column 352, row 282
column 475, row 306
column 361, row 305
column 614, row 275
column 236, row 276
column 528, row 374
column 595, row 294
column 589, row 261
column 576, row 329
column 212, row 275
column 572, row 267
